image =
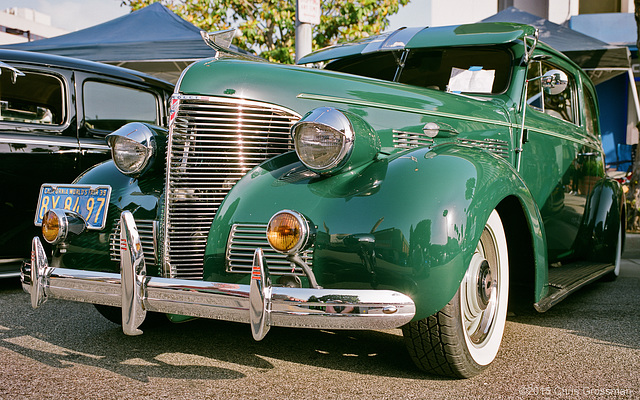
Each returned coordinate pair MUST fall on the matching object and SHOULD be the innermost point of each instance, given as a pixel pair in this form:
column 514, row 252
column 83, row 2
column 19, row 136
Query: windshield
column 456, row 69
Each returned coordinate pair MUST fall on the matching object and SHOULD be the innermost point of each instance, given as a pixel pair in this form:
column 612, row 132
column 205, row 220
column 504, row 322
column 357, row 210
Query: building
column 439, row 12
column 18, row 25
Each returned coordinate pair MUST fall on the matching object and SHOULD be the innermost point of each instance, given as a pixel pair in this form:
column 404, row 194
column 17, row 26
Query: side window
column 108, row 106
column 561, row 105
column 590, row 113
column 34, row 98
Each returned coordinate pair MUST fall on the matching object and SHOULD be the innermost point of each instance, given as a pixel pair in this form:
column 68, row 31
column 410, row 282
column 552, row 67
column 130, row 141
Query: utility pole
column 307, row 15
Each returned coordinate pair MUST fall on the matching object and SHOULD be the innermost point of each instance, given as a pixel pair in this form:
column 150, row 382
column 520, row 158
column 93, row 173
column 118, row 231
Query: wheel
column 114, row 314
column 463, row 338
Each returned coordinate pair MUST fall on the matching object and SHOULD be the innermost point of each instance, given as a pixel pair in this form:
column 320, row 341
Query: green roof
column 424, row 37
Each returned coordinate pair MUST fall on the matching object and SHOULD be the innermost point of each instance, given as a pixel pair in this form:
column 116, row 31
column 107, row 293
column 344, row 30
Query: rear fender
column 599, row 233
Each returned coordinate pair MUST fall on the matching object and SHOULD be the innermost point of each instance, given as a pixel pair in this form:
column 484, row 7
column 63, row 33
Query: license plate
column 90, row 201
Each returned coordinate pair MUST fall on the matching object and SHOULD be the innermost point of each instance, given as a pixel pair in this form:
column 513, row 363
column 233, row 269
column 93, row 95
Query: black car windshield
column 455, row 69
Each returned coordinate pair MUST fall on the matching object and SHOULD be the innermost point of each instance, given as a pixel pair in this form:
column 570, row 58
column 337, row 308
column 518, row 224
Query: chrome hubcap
column 485, row 285
column 480, row 291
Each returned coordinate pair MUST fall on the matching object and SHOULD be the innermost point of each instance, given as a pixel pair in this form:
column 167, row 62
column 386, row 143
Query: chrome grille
column 213, row 143
column 245, row 238
column 495, row 146
column 147, row 229
column 406, row 140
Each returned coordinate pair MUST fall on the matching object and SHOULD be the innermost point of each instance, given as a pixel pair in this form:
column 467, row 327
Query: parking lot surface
column 588, row 346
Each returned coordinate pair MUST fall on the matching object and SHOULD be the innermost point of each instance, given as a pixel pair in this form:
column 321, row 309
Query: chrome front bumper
column 258, row 304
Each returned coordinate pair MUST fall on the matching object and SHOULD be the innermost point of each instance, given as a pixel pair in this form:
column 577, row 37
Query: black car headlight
column 133, row 148
column 328, row 140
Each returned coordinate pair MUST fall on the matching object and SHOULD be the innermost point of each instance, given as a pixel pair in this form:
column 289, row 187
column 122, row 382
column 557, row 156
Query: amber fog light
column 51, row 227
column 58, row 223
column 288, row 232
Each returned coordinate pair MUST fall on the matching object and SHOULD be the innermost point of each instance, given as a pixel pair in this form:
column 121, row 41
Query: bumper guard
column 258, row 304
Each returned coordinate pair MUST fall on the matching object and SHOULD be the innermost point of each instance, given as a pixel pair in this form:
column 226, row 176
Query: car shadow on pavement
column 603, row 311
column 61, row 334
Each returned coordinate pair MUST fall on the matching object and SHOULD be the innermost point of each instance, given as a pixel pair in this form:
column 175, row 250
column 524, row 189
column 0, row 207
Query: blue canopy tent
column 609, row 67
column 153, row 40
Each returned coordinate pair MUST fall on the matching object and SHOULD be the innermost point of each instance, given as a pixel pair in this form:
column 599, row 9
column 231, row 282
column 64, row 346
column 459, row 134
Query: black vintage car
column 54, row 114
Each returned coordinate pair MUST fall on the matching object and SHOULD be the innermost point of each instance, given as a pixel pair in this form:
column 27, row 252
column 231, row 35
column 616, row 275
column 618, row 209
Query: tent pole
column 636, row 102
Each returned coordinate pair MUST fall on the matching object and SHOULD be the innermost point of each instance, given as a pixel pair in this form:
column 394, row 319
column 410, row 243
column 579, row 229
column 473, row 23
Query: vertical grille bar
column 245, row 238
column 147, row 229
column 407, row 140
column 213, row 143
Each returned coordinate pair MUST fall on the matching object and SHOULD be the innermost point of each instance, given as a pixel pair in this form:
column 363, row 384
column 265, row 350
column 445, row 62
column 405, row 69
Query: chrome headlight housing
column 289, row 232
column 133, row 148
column 327, row 140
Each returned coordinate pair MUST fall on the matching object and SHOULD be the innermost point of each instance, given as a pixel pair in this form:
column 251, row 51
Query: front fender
column 143, row 197
column 424, row 209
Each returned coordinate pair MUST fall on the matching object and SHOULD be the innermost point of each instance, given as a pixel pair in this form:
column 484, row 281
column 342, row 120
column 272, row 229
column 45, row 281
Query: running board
column 569, row 278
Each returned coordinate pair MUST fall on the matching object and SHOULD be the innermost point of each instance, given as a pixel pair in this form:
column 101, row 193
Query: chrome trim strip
column 61, row 142
column 12, row 274
column 560, row 136
column 86, row 146
column 309, row 96
column 11, row 260
column 277, row 306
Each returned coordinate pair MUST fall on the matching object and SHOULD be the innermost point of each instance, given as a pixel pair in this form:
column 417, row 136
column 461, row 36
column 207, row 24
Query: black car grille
column 213, row 143
column 147, row 229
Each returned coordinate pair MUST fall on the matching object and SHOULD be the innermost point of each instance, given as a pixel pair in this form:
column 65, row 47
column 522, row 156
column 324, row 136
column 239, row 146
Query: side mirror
column 554, row 82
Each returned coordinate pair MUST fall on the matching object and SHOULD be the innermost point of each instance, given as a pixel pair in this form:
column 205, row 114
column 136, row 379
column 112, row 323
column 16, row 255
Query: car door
column 560, row 164
column 38, row 144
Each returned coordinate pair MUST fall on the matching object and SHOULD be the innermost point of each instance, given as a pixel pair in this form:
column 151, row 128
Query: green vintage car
column 424, row 179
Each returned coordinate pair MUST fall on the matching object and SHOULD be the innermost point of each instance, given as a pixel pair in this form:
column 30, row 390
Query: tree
column 268, row 26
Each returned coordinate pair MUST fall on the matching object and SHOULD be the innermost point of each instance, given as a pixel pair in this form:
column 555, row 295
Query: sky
column 73, row 15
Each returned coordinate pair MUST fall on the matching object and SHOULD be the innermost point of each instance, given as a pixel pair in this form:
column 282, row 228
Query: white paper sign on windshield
column 472, row 80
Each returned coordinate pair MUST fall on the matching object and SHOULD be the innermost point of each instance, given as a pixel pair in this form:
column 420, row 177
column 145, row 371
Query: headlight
column 58, row 223
column 133, row 148
column 327, row 140
column 288, row 232
column 323, row 139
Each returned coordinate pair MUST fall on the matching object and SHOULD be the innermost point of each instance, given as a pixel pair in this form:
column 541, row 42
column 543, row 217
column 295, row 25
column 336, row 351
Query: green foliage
column 268, row 26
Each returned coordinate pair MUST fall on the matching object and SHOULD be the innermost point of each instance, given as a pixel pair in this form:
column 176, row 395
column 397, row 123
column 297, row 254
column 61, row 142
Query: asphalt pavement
column 586, row 347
